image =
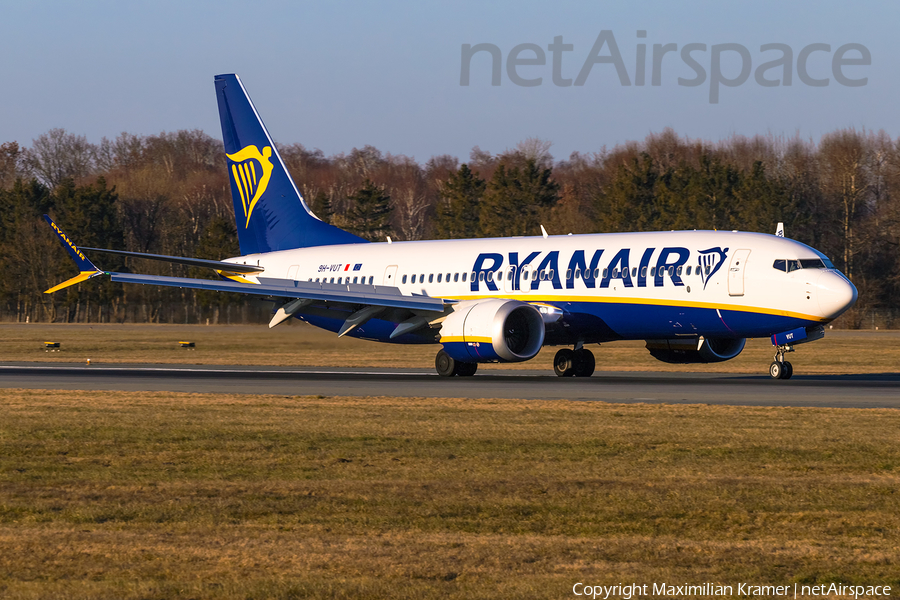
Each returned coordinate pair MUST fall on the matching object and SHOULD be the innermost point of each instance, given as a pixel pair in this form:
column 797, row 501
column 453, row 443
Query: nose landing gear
column 780, row 368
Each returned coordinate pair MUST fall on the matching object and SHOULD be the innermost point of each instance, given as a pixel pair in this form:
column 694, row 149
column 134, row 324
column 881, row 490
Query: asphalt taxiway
column 856, row 391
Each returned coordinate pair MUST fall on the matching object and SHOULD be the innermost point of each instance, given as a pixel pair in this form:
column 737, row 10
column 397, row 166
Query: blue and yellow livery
column 692, row 296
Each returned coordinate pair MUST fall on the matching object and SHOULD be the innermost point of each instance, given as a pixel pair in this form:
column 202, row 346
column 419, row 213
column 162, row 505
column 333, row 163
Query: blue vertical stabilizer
column 269, row 212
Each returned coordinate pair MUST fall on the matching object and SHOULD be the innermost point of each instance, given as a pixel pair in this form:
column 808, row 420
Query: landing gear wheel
column 781, row 370
column 563, row 363
column 788, row 370
column 466, row 369
column 445, row 365
column 583, row 363
column 776, row 370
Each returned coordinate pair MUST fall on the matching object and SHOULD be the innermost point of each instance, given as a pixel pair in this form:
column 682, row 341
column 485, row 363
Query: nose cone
column 835, row 294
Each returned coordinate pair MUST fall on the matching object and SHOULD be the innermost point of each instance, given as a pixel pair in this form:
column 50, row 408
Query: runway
column 856, row 391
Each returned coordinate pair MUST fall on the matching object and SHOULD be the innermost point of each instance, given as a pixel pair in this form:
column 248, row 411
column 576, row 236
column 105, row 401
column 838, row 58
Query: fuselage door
column 736, row 272
column 525, row 274
column 509, row 279
column 390, row 276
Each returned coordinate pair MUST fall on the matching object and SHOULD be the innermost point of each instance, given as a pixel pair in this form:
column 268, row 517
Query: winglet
column 87, row 268
column 779, row 230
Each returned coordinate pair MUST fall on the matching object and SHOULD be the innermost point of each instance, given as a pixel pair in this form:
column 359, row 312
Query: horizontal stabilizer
column 181, row 260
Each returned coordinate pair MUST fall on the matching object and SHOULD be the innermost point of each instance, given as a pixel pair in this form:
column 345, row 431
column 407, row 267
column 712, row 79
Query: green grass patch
column 298, row 344
column 166, row 495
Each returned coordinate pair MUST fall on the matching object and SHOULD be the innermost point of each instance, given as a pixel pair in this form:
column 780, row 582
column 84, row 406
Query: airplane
column 692, row 296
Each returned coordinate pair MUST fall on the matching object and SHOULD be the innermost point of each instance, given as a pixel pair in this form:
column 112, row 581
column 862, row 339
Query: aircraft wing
column 370, row 297
column 375, row 295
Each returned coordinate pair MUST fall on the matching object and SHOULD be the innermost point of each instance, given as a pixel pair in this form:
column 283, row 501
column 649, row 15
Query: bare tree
column 843, row 155
column 11, row 156
column 408, row 191
column 58, row 155
column 536, row 149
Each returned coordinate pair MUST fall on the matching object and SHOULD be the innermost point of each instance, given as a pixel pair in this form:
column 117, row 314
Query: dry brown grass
column 165, row 495
column 297, row 344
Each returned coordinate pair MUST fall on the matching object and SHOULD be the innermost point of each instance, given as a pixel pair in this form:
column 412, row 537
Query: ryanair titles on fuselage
column 595, row 270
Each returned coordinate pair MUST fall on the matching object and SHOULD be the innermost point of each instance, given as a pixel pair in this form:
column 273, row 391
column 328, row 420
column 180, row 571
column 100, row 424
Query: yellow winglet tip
column 83, row 276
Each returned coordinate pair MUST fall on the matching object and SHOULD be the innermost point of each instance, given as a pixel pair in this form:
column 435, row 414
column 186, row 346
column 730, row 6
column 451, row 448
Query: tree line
column 170, row 194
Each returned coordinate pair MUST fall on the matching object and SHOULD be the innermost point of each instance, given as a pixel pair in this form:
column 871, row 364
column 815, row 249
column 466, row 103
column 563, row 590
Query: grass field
column 301, row 345
column 164, row 495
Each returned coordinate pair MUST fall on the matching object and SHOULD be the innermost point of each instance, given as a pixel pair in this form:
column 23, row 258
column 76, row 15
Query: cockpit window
column 803, row 263
column 811, row 263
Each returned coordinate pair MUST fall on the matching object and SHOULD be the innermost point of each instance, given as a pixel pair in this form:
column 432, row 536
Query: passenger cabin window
column 568, row 273
column 371, row 279
column 464, row 276
column 455, row 277
column 404, row 279
column 439, row 277
column 431, row 278
column 689, row 270
column 448, row 278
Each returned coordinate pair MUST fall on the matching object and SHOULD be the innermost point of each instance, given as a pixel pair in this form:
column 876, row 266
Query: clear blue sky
column 338, row 75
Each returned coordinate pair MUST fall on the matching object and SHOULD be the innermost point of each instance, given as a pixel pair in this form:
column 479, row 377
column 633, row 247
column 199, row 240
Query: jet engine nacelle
column 493, row 330
column 702, row 350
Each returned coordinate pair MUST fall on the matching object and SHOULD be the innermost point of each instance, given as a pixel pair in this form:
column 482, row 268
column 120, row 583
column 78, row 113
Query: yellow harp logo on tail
column 251, row 170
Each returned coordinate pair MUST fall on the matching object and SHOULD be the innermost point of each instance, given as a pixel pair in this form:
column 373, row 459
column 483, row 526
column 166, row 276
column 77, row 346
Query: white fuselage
column 636, row 283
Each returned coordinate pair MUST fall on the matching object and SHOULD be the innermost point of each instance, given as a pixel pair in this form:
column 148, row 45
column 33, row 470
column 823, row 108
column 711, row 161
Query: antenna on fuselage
column 543, row 232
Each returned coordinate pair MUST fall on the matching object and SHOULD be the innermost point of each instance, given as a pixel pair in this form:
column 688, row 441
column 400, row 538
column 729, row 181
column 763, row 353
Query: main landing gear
column 448, row 367
column 579, row 363
column 780, row 368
